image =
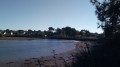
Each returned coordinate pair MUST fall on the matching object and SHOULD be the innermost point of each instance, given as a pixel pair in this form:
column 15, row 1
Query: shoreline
column 19, row 38
column 62, row 59
column 35, row 38
column 46, row 60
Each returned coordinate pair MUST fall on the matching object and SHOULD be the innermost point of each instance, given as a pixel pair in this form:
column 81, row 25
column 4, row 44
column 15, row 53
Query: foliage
column 108, row 12
column 66, row 32
column 0, row 35
column 51, row 29
column 107, row 53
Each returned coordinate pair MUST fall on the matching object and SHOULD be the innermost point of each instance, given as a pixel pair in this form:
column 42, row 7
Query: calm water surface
column 13, row 50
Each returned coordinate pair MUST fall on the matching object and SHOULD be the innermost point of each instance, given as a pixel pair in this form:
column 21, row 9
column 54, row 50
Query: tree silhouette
column 51, row 29
column 108, row 12
column 70, row 32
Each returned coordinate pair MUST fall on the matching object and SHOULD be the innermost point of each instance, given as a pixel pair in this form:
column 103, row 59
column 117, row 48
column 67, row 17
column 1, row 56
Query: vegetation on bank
column 107, row 53
column 63, row 33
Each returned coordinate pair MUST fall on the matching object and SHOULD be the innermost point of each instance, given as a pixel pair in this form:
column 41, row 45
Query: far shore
column 18, row 38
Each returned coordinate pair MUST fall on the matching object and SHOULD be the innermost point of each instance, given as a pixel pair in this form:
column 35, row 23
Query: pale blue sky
column 41, row 14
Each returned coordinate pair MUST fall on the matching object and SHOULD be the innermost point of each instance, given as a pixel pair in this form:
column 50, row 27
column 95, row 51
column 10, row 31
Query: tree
column 58, row 31
column 70, row 32
column 51, row 29
column 29, row 32
column 84, row 33
column 108, row 12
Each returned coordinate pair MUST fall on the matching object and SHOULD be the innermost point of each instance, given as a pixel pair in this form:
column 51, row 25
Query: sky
column 41, row 14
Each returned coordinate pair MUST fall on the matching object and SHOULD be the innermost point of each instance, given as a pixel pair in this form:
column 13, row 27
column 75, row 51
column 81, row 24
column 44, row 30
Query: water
column 13, row 50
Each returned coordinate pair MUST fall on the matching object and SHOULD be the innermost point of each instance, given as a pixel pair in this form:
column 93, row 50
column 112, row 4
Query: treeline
column 66, row 32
